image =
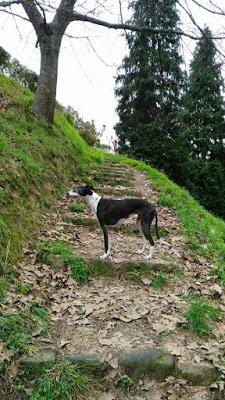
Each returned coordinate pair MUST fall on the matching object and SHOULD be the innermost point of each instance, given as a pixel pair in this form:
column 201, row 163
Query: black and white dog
column 110, row 212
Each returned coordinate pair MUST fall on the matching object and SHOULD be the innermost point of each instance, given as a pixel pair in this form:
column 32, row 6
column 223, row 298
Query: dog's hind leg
column 106, row 243
column 145, row 224
column 146, row 242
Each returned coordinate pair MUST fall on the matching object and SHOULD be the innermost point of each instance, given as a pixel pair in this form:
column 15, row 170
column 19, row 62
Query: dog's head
column 83, row 191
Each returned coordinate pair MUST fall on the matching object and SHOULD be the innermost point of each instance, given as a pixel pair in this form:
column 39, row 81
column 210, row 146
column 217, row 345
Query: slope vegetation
column 37, row 163
column 59, row 294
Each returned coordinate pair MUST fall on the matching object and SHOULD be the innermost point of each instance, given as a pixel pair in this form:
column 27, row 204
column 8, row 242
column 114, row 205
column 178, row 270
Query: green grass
column 57, row 247
column 16, row 329
column 76, row 207
column 79, row 269
column 205, row 233
column 200, row 314
column 136, row 271
column 84, row 222
column 101, row 268
column 124, row 382
column 129, row 230
column 62, row 381
column 37, row 162
column 3, row 288
column 23, row 288
column 159, row 280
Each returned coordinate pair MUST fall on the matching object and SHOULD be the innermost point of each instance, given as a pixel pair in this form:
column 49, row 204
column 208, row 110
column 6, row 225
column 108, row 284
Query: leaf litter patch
column 108, row 316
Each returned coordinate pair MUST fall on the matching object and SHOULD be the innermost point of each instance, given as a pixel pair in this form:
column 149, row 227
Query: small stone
column 217, row 290
column 198, row 374
column 213, row 386
column 40, row 357
column 157, row 364
column 89, row 360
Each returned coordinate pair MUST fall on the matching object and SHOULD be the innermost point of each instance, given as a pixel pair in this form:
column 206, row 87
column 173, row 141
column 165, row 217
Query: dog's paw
column 139, row 252
column 104, row 256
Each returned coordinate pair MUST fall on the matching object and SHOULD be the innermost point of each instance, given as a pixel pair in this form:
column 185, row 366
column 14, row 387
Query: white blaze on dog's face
column 81, row 191
column 88, row 193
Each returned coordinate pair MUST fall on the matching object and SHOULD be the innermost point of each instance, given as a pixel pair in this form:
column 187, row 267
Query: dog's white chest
column 93, row 201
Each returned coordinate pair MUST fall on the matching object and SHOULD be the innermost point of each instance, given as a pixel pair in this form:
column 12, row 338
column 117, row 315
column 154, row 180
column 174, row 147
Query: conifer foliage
column 204, row 112
column 149, row 85
column 203, row 127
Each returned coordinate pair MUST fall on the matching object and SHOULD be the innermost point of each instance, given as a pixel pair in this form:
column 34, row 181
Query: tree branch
column 15, row 15
column 208, row 9
column 9, row 3
column 33, row 14
column 60, row 20
column 188, row 12
column 85, row 18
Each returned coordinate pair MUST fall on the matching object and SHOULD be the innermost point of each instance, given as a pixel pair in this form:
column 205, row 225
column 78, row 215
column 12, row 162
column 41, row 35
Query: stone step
column 123, row 191
column 157, row 364
column 98, row 175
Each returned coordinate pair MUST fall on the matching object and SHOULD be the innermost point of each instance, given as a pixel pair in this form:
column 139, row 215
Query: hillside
column 55, row 293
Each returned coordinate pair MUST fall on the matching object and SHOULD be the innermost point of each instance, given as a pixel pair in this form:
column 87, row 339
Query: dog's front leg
column 106, row 243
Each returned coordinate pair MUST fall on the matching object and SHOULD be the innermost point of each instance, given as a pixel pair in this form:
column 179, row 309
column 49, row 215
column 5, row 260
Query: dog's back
column 110, row 211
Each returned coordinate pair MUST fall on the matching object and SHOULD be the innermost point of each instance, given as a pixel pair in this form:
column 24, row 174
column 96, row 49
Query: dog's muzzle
column 71, row 193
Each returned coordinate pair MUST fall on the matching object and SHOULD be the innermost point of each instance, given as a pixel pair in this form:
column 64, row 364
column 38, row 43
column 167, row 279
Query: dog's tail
column 156, row 225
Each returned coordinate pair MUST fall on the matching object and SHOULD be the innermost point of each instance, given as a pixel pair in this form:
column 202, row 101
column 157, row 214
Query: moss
column 38, row 163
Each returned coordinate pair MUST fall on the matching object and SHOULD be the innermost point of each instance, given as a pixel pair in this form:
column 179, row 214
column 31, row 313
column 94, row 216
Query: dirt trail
column 110, row 315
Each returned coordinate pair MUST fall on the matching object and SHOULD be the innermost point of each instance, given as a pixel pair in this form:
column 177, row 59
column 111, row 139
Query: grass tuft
column 3, row 288
column 200, row 314
column 91, row 223
column 57, row 247
column 79, row 269
column 76, row 207
column 23, row 288
column 100, row 267
column 125, row 383
column 64, row 381
column 159, row 280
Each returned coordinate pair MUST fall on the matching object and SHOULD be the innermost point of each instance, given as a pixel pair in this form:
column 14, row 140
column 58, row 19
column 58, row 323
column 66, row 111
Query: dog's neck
column 93, row 201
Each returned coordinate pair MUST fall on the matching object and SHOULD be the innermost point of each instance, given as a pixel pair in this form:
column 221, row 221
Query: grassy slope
column 205, row 233
column 38, row 162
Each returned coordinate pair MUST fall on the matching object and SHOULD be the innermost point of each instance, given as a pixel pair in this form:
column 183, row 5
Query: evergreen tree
column 203, row 127
column 203, row 115
column 148, row 86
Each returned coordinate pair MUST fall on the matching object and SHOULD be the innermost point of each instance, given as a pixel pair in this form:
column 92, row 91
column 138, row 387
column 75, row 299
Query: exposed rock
column 216, row 291
column 156, row 363
column 44, row 356
column 198, row 374
column 90, row 360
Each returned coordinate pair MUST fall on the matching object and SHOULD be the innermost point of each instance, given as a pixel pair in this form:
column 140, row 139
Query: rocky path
column 124, row 311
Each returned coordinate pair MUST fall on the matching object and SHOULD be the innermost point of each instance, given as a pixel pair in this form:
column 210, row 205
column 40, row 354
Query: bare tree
column 49, row 38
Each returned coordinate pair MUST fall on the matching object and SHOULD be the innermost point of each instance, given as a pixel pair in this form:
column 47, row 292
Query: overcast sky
column 87, row 67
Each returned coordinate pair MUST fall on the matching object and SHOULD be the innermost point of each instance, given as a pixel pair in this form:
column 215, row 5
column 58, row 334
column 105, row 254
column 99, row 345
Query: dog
column 110, row 212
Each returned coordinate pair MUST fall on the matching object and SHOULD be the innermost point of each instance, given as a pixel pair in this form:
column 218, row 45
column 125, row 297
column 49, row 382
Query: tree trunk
column 45, row 97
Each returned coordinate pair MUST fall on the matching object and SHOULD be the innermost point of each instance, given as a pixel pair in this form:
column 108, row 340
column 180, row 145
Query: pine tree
column 203, row 127
column 203, row 115
column 149, row 85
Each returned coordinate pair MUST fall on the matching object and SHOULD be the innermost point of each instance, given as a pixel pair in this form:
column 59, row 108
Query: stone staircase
column 120, row 321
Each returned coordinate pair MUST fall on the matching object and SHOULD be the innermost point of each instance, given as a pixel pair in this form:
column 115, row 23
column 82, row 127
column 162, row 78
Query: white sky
column 84, row 81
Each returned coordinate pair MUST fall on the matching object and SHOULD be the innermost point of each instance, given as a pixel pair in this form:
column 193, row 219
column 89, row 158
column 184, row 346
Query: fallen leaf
column 63, row 343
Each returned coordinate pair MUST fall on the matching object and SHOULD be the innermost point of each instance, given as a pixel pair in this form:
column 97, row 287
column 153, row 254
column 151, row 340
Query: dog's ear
column 90, row 189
